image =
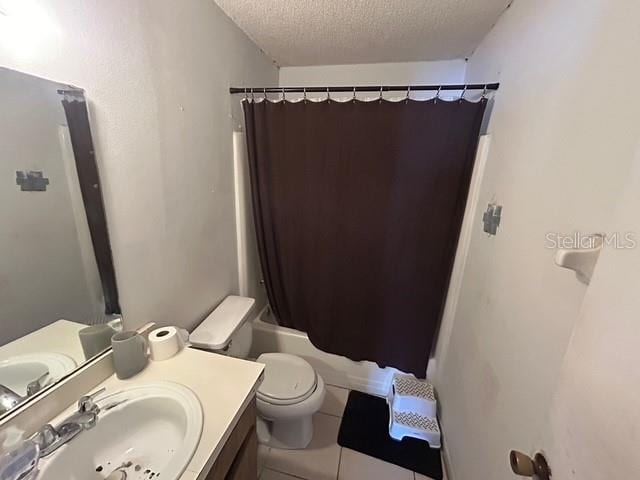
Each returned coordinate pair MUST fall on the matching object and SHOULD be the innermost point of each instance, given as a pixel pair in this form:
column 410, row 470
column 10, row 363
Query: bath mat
column 365, row 429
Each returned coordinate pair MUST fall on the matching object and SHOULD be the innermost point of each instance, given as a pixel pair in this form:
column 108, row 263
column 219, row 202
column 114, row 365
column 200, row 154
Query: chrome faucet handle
column 35, row 386
column 45, row 437
column 87, row 404
column 49, row 439
column 85, row 420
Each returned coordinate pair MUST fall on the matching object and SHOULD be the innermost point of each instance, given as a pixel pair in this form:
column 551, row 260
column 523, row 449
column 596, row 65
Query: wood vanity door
column 245, row 466
column 238, row 459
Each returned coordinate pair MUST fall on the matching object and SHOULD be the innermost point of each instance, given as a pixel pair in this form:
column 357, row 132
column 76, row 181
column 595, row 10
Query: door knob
column 523, row 465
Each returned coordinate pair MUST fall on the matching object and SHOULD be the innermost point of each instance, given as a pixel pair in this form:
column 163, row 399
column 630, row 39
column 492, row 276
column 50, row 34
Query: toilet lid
column 287, row 379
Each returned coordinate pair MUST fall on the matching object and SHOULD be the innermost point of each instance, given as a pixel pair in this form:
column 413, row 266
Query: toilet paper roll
column 165, row 342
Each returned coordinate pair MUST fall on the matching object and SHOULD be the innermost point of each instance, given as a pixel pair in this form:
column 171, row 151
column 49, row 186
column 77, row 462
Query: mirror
column 58, row 296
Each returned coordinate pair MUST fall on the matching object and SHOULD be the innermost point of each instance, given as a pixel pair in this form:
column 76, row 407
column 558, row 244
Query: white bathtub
column 334, row 369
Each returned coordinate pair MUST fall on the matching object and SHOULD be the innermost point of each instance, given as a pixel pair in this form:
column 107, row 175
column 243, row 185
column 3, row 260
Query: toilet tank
column 226, row 330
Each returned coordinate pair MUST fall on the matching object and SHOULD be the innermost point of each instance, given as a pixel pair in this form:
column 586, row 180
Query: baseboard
column 446, row 459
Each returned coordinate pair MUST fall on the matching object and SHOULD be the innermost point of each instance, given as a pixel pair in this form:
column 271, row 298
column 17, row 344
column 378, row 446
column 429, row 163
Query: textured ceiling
column 325, row 32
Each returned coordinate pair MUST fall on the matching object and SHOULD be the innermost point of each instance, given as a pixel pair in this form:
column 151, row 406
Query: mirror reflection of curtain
column 75, row 109
column 42, row 274
column 85, row 248
column 358, row 207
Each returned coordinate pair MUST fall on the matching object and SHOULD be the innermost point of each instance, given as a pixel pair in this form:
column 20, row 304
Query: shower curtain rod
column 367, row 88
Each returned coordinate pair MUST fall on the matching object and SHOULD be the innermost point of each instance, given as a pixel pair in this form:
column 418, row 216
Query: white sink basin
column 146, row 431
column 18, row 371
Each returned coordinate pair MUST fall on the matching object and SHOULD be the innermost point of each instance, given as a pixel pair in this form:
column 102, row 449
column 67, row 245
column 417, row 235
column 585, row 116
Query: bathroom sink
column 18, row 371
column 143, row 432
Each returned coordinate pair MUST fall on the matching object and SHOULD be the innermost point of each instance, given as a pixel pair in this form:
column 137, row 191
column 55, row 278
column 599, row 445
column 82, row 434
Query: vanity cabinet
column 238, row 459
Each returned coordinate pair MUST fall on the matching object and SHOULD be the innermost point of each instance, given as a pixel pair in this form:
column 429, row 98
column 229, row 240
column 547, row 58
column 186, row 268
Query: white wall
column 562, row 147
column 157, row 74
column 42, row 272
column 249, row 270
column 449, row 71
column 595, row 418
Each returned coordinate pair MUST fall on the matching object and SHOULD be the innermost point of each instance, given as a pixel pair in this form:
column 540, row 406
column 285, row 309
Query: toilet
column 291, row 391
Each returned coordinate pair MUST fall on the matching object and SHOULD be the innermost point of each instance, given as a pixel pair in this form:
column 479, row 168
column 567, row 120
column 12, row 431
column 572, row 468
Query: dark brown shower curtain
column 358, row 208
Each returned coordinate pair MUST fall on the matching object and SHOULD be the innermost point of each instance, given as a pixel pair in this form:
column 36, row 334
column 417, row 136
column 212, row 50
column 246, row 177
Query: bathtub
column 336, row 370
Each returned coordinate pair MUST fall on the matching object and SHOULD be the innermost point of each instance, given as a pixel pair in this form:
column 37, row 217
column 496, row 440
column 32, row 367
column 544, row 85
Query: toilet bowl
column 291, row 391
column 287, row 399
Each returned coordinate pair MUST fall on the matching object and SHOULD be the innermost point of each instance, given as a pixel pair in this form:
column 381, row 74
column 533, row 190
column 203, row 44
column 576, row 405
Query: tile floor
column 324, row 459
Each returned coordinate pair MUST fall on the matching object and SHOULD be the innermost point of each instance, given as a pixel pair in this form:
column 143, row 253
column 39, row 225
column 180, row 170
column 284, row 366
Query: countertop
column 60, row 336
column 224, row 385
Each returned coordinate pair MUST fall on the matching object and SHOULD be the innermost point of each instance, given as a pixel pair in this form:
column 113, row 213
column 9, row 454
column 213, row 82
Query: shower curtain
column 358, row 207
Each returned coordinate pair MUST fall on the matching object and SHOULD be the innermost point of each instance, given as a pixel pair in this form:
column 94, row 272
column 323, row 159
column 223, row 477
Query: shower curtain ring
column 253, row 97
column 406, row 100
column 304, row 94
column 354, row 94
column 464, row 90
column 283, row 97
column 328, row 95
column 246, row 97
column 437, row 97
column 380, row 98
column 484, row 92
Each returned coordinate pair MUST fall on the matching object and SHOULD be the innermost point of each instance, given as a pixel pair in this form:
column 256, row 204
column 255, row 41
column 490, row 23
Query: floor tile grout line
column 283, row 473
column 338, row 387
column 285, row 469
column 329, row 414
column 264, row 463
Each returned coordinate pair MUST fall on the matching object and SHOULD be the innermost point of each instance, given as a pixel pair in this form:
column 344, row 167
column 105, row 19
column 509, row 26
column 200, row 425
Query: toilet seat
column 288, row 379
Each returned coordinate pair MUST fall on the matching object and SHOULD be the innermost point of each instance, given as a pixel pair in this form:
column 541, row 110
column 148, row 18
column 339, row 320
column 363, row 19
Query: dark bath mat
column 365, row 428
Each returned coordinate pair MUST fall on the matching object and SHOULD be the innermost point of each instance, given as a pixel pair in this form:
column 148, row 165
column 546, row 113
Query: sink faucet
column 8, row 399
column 37, row 385
column 50, row 438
